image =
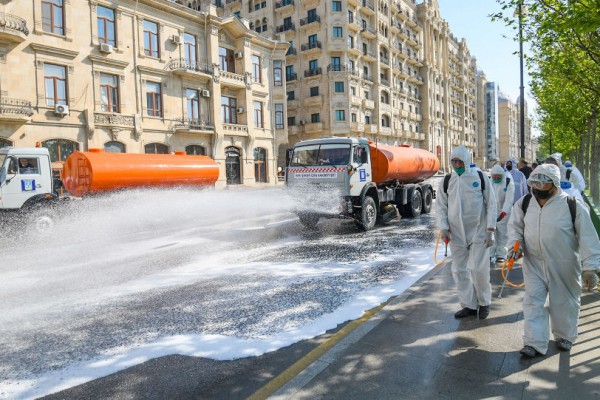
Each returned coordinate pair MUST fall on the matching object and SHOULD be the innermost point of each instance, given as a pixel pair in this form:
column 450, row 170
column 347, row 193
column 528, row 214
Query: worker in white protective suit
column 574, row 176
column 504, row 191
column 467, row 217
column 518, row 179
column 555, row 248
column 565, row 185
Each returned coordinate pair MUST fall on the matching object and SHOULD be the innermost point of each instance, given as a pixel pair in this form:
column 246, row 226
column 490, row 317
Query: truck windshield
column 324, row 154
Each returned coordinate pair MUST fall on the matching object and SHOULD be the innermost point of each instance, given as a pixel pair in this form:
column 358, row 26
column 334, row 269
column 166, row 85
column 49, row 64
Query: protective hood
column 550, row 171
column 568, row 164
column 513, row 161
column 462, row 153
column 557, row 157
column 497, row 170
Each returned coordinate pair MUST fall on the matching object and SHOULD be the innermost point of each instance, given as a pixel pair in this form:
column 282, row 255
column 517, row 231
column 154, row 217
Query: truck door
column 362, row 175
column 22, row 181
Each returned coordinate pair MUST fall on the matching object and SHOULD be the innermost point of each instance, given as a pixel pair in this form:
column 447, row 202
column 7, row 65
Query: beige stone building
column 142, row 76
column 509, row 132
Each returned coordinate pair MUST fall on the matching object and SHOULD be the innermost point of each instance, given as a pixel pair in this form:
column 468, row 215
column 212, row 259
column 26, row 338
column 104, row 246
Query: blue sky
column 469, row 19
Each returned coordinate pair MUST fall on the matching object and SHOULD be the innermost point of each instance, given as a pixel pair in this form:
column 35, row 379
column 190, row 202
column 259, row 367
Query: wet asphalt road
column 247, row 304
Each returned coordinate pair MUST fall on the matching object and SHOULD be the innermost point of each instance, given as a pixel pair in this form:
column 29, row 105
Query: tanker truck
column 29, row 192
column 355, row 178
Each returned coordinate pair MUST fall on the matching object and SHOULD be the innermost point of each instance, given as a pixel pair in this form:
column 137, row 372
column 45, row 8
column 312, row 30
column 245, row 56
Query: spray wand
column 508, row 264
column 446, row 241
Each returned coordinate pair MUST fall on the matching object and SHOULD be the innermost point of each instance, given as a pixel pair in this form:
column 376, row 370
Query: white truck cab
column 25, row 177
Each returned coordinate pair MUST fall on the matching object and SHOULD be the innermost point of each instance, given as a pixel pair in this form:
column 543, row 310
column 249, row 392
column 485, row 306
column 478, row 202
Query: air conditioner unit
column 61, row 109
column 176, row 39
column 239, row 55
column 205, row 93
column 106, row 48
column 240, row 110
column 302, row 122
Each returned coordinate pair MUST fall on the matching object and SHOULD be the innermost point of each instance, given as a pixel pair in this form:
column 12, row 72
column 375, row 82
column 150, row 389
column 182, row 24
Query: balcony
column 310, row 48
column 385, row 60
column 369, row 56
column 191, row 69
column 353, row 24
column 285, row 28
column 367, row 8
column 217, row 3
column 354, row 73
column 367, row 77
column 370, row 104
column 371, row 128
column 354, row 3
column 13, row 29
column 291, row 77
column 358, row 127
column 368, row 33
column 185, row 125
column 293, row 104
column 229, row 2
column 383, row 107
column 292, row 52
column 306, row 22
column 235, row 129
column 385, row 131
column 355, row 101
column 284, row 5
column 354, row 50
column 313, row 101
column 337, row 68
column 412, row 22
column 313, row 127
column 402, row 15
column 395, row 27
column 15, row 110
column 384, row 81
column 313, row 72
column 114, row 120
column 232, row 79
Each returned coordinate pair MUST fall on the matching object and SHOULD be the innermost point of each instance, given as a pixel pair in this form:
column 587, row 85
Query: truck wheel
column 413, row 208
column 308, row 220
column 368, row 214
column 427, row 201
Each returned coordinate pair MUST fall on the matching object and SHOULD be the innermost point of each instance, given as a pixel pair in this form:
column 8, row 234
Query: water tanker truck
column 27, row 183
column 365, row 181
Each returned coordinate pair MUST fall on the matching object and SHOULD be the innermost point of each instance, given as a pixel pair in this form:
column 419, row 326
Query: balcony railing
column 183, row 64
column 370, row 30
column 283, row 3
column 336, row 68
column 15, row 107
column 286, row 27
column 14, row 23
column 368, row 4
column 230, row 1
column 309, row 20
column 310, row 46
column 291, row 51
column 313, row 72
column 193, row 125
column 291, row 77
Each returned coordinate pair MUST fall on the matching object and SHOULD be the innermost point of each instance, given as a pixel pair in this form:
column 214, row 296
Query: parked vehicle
column 370, row 182
column 29, row 191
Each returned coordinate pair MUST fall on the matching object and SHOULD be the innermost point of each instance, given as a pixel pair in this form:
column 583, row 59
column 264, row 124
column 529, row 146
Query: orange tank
column 96, row 171
column 405, row 164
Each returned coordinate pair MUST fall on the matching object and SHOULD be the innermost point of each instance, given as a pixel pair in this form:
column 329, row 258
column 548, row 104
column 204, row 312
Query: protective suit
column 518, row 179
column 576, row 178
column 467, row 212
column 505, row 194
column 554, row 250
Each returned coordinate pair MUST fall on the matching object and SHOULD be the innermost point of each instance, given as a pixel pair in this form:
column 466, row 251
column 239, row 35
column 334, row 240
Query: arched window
column 195, row 150
column 5, row 143
column 260, row 164
column 385, row 121
column 60, row 149
column 385, row 97
column 156, row 148
column 114, row 147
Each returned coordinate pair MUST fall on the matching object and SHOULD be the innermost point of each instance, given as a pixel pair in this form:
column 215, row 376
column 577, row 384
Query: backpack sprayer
column 508, row 265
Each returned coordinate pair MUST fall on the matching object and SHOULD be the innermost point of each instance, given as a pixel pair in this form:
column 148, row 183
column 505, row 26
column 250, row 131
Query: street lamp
column 520, row 11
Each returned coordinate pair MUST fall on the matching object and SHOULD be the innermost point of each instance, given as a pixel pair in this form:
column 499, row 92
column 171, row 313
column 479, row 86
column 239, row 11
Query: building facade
column 142, row 76
column 510, row 133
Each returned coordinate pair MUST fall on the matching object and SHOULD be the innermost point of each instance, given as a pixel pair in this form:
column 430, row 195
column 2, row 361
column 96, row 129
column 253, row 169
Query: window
column 385, row 98
column 278, row 116
column 156, row 148
column 193, row 104
column 339, row 87
column 256, row 73
column 367, row 119
column 114, row 147
column 228, row 110
column 106, row 25
column 350, row 42
column 153, row 99
column 353, row 90
column 189, row 49
column 312, row 41
column 226, row 60
column 151, row 39
column 195, row 150
column 289, row 73
column 291, row 95
column 385, row 121
column 337, row 31
column 260, row 164
column 60, row 149
column 336, row 5
column 258, row 115
column 353, row 117
column 55, row 78
column 53, row 16
column 277, row 73
column 109, row 93
column 314, row 91
column 340, row 115
column 315, row 118
column 291, row 121
column 313, row 65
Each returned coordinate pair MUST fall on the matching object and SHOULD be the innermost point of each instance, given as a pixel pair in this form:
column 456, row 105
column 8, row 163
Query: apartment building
column 510, row 133
column 149, row 76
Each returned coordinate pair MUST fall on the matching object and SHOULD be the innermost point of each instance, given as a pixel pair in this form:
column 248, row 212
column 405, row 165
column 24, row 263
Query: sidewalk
column 415, row 349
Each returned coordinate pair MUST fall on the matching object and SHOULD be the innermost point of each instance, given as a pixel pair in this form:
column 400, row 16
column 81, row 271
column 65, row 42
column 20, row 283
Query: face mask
column 509, row 167
column 499, row 180
column 541, row 194
column 460, row 171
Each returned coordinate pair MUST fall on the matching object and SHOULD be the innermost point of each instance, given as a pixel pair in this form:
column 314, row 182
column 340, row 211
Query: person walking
column 466, row 210
column 565, row 185
column 560, row 251
column 504, row 191
column 518, row 178
column 573, row 175
column 524, row 167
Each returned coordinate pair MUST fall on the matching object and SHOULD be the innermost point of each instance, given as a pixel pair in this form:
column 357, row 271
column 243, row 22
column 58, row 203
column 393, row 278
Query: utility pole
column 522, row 88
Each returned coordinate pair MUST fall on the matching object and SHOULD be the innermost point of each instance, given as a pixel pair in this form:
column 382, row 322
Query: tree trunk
column 595, row 159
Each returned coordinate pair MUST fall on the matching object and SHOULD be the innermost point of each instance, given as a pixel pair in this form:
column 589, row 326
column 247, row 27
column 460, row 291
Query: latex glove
column 512, row 254
column 445, row 237
column 589, row 280
column 489, row 239
column 501, row 216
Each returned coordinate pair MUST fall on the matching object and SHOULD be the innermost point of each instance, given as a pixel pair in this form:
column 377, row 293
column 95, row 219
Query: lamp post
column 520, row 10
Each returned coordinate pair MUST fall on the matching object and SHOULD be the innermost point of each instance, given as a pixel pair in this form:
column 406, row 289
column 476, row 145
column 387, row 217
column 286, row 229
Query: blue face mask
column 459, row 171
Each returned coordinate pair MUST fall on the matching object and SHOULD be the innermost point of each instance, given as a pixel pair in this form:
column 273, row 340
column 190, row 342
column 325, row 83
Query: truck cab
column 25, row 177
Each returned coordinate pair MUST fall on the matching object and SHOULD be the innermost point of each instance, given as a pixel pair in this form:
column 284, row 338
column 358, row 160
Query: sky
column 496, row 55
